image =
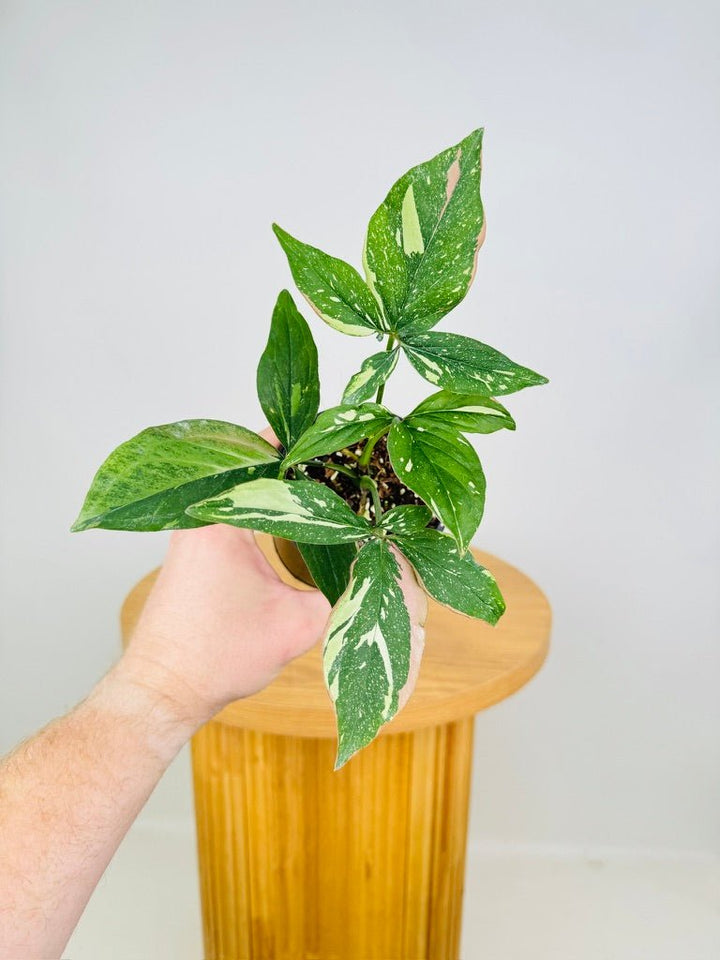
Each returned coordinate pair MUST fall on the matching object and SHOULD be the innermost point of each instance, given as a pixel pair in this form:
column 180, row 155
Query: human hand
column 219, row 624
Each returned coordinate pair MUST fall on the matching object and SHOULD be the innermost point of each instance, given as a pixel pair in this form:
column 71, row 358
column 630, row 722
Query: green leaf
column 287, row 377
column 334, row 289
column 329, row 566
column 453, row 580
column 405, row 520
column 372, row 374
column 157, row 463
column 366, row 651
column 469, row 412
column 464, row 365
column 339, row 427
column 299, row 510
column 422, row 241
column 443, row 469
column 166, row 510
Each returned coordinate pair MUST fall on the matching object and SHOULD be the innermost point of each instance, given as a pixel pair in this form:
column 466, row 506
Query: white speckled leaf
column 339, row 427
column 334, row 289
column 444, row 470
column 374, row 371
column 422, row 241
column 464, row 365
column 298, row 510
column 452, row 579
column 469, row 412
column 288, row 386
column 406, row 519
column 366, row 650
column 159, row 463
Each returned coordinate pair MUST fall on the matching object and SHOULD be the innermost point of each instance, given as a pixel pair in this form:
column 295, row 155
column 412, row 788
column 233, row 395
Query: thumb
column 308, row 611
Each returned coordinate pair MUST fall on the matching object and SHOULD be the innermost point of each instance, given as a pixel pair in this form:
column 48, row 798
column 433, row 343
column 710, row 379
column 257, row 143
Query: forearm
column 69, row 795
column 214, row 628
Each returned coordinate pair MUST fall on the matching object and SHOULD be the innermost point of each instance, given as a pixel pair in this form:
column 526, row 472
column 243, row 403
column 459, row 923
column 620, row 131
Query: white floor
column 520, row 904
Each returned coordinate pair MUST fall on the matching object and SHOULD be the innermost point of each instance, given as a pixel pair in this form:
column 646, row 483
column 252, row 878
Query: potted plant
column 358, row 485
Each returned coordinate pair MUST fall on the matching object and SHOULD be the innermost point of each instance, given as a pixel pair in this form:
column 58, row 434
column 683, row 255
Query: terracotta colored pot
column 292, row 560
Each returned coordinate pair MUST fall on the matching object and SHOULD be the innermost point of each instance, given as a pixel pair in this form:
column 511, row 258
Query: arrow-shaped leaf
column 469, row 412
column 464, row 365
column 300, row 510
column 444, row 470
column 422, row 241
column 452, row 579
column 146, row 483
column 287, row 377
column 334, row 289
column 366, row 651
column 374, row 371
column 339, row 427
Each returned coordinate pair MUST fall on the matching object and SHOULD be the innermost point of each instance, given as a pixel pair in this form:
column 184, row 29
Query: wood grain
column 300, row 863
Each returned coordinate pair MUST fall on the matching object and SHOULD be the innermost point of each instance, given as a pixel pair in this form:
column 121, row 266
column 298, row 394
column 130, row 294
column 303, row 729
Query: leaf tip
column 344, row 753
column 83, row 521
column 284, row 297
column 539, row 380
column 282, row 235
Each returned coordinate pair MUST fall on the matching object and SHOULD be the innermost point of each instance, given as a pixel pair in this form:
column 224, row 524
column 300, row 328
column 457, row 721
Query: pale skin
column 219, row 625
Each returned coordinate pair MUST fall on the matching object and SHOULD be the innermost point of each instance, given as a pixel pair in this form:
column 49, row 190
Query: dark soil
column 392, row 490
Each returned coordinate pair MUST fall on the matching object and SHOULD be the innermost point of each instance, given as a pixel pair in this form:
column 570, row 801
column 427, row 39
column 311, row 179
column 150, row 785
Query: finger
column 269, row 434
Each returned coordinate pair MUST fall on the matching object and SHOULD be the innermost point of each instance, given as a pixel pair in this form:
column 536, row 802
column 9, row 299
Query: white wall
column 146, row 147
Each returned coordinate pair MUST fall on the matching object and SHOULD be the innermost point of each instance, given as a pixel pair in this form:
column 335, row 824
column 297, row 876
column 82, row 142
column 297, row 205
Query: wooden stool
column 300, row 863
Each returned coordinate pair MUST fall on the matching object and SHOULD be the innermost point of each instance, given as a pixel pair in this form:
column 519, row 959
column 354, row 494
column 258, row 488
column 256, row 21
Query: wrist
column 161, row 709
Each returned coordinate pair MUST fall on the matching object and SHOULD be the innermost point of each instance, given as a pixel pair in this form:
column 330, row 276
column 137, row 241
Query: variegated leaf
column 406, row 519
column 339, row 427
column 299, row 510
column 469, row 412
column 452, row 579
column 287, row 376
column 373, row 373
column 444, row 470
column 334, row 289
column 366, row 651
column 422, row 241
column 329, row 565
column 144, row 483
column 464, row 365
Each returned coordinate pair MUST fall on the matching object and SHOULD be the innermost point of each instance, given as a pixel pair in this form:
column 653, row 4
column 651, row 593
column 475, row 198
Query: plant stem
column 367, row 483
column 381, row 388
column 368, row 448
column 348, row 471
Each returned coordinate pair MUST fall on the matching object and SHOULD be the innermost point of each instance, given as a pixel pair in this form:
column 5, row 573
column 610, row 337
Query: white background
column 146, row 147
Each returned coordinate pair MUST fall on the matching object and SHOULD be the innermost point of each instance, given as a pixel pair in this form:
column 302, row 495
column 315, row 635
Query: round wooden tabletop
column 467, row 665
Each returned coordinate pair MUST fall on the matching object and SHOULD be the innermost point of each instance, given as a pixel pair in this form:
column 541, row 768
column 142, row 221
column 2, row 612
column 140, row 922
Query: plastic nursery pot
column 292, row 560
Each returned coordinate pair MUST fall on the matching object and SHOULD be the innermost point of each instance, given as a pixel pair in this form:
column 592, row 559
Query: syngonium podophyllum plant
column 356, row 484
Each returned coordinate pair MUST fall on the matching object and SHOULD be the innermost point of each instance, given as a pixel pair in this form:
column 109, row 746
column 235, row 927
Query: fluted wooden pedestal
column 300, row 863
